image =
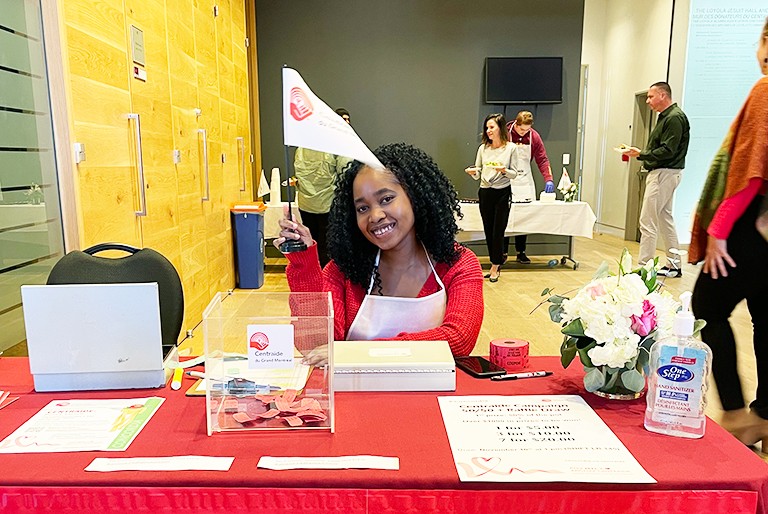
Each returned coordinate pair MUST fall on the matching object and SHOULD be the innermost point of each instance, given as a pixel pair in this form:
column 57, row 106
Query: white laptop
column 93, row 336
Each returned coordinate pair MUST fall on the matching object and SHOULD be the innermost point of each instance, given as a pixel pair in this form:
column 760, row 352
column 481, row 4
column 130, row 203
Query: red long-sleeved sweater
column 463, row 287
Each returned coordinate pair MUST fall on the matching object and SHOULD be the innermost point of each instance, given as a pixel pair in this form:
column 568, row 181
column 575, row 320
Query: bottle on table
column 677, row 383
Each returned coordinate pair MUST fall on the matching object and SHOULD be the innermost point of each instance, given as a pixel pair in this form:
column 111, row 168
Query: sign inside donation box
column 270, row 346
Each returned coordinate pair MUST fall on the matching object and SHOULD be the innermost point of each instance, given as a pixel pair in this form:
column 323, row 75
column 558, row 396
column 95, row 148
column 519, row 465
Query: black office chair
column 141, row 265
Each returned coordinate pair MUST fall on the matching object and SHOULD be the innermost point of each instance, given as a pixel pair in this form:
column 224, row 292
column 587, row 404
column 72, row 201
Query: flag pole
column 289, row 245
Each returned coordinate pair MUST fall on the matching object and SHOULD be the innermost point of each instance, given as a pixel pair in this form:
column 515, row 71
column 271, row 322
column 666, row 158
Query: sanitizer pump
column 677, row 383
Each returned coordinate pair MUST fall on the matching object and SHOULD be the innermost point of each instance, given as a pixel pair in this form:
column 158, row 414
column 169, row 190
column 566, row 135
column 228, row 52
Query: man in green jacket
column 315, row 185
column 664, row 159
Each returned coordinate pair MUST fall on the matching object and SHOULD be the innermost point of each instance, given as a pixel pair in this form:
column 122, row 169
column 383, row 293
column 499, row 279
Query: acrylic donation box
column 266, row 361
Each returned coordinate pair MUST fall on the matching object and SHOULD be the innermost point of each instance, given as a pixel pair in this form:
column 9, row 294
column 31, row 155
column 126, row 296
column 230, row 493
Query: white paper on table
column 535, row 439
column 82, row 425
column 177, row 463
column 343, row 462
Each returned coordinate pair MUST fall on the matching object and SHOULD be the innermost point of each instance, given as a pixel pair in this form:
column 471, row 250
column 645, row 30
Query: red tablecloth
column 693, row 475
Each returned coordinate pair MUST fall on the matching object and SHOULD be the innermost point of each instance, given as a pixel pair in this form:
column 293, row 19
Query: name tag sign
column 270, row 346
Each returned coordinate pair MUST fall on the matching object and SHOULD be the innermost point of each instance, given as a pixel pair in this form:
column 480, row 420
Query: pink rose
column 645, row 323
column 596, row 290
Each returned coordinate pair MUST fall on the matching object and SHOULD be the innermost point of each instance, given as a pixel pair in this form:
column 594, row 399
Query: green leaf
column 585, row 342
column 613, row 377
column 546, row 291
column 556, row 313
column 602, row 271
column 574, row 328
column 594, row 380
column 643, row 357
column 584, row 356
column 698, row 325
column 567, row 351
column 556, row 299
column 633, row 380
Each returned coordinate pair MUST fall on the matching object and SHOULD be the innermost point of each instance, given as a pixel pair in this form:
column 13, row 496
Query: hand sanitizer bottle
column 677, row 383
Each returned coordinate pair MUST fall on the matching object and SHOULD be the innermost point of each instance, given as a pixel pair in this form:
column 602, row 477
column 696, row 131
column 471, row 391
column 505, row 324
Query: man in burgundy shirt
column 530, row 147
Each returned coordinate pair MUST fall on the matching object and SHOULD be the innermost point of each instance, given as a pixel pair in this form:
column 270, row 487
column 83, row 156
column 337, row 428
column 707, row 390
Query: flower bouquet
column 568, row 189
column 611, row 324
column 571, row 192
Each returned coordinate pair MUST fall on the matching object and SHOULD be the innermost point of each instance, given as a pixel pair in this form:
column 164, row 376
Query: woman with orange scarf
column 735, row 254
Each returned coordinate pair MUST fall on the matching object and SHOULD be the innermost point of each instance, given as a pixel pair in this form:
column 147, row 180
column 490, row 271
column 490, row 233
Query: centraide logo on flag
column 309, row 123
column 301, row 107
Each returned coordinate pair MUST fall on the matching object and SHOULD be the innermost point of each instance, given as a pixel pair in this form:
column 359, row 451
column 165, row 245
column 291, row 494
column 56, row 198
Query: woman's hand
column 501, row 169
column 292, row 230
column 717, row 257
column 318, row 356
column 471, row 170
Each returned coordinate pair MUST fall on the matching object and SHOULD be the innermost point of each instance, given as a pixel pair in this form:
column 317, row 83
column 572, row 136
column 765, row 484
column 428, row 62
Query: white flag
column 308, row 122
column 565, row 181
column 263, row 185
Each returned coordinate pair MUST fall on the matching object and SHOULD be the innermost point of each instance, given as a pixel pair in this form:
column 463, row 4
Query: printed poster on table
column 535, row 439
column 82, row 425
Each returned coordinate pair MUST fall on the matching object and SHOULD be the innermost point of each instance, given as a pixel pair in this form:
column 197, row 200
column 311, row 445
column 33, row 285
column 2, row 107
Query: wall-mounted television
column 523, row 80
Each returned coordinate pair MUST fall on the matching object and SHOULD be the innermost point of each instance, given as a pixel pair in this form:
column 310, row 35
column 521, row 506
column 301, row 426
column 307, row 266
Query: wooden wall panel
column 107, row 200
column 101, row 19
column 95, row 59
column 194, row 60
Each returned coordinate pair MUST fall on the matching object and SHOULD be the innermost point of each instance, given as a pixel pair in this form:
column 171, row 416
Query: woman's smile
column 382, row 231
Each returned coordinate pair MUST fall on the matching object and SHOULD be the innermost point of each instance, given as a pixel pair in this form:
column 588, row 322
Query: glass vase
column 618, row 391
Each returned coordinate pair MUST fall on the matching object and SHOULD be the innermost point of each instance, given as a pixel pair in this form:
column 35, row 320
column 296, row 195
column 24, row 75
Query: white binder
column 393, row 366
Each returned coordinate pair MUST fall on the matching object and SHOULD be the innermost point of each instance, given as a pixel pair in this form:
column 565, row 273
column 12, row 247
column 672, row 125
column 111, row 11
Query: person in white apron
column 381, row 317
column 529, row 148
column 396, row 271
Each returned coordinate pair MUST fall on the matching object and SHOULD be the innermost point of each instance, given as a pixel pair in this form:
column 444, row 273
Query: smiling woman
column 396, row 270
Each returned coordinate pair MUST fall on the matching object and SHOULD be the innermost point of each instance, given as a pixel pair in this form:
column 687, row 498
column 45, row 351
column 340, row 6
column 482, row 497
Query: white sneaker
column 670, row 272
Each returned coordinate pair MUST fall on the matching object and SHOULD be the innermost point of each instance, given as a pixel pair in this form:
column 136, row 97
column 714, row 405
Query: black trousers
column 318, row 227
column 714, row 301
column 520, row 243
column 494, row 209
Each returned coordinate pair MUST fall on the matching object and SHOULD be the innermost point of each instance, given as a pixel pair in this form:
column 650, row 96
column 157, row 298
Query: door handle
column 241, row 144
column 207, row 194
column 140, row 161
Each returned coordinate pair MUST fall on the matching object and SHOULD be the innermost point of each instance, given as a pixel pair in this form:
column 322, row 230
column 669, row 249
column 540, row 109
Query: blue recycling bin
column 248, row 235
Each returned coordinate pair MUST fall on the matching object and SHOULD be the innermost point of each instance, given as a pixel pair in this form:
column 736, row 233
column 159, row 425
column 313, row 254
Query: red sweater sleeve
column 539, row 154
column 732, row 208
column 304, row 275
column 464, row 308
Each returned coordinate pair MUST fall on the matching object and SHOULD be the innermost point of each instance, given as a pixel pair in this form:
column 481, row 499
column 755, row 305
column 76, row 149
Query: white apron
column 383, row 317
column 523, row 187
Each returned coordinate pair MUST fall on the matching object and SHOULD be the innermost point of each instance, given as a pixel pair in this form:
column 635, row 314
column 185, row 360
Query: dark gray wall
column 413, row 70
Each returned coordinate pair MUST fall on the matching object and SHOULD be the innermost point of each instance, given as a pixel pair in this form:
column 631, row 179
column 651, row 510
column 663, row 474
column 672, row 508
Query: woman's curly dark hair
column 435, row 207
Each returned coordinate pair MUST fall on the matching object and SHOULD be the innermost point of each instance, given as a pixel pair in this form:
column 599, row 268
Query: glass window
column 31, row 235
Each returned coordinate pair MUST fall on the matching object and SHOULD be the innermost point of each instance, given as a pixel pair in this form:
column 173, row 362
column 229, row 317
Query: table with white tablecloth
column 557, row 218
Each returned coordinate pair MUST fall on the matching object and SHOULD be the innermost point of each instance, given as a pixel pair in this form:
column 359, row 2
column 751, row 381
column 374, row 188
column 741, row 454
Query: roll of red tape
column 510, row 354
